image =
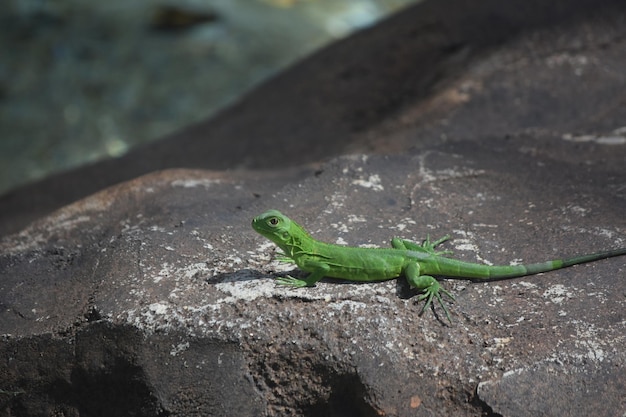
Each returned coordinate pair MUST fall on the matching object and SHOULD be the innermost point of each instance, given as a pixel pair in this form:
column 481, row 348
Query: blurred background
column 85, row 80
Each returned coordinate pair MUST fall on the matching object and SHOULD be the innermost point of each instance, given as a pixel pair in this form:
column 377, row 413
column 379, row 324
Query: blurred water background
column 84, row 80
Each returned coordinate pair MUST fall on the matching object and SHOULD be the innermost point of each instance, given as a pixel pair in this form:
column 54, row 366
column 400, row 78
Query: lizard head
column 273, row 225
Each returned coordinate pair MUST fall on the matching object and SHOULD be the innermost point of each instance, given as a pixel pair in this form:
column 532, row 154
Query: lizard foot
column 429, row 246
column 291, row 282
column 283, row 257
column 435, row 290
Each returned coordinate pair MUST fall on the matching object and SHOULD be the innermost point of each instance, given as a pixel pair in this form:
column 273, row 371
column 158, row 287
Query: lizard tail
column 593, row 257
column 558, row 264
column 486, row 272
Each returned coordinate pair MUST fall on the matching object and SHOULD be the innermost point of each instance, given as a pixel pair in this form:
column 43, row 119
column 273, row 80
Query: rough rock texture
column 155, row 297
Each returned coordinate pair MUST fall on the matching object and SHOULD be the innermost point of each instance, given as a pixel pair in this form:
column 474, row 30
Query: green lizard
column 416, row 262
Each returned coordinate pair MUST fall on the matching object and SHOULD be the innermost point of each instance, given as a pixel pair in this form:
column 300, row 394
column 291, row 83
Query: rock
column 158, row 292
column 155, row 297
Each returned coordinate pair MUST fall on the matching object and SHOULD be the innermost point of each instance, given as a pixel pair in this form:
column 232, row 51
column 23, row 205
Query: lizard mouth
column 255, row 225
column 258, row 224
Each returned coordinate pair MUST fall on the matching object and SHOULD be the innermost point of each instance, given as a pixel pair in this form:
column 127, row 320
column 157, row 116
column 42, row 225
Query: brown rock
column 155, row 297
column 145, row 289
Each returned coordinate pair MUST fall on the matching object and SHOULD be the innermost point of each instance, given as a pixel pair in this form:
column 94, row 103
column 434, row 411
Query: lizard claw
column 435, row 290
column 429, row 246
column 291, row 281
column 283, row 257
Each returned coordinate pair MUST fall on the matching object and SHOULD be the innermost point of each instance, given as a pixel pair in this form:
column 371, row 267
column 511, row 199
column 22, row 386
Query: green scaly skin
column 414, row 261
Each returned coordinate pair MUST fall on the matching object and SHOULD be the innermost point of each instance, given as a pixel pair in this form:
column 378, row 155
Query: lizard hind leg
column 430, row 287
column 430, row 246
column 426, row 246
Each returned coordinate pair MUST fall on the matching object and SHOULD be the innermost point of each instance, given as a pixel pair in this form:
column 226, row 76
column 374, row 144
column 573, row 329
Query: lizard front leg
column 429, row 285
column 317, row 269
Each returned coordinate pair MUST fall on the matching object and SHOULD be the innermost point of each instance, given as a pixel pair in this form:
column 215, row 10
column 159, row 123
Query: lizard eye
column 273, row 221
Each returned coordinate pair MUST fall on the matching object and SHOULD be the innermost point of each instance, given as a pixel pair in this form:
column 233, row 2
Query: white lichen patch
column 615, row 138
column 499, row 343
column 591, row 343
column 429, row 178
column 265, row 246
column 265, row 258
column 353, row 218
column 575, row 209
column 403, row 224
column 466, row 243
column 600, row 296
column 155, row 315
column 595, row 351
column 194, row 182
column 69, row 224
column 479, row 225
column 372, row 182
column 596, row 231
column 352, row 306
column 558, row 293
column 252, row 288
column 225, row 264
column 192, row 270
column 587, row 347
column 335, row 202
column 179, row 348
column 27, row 240
column 164, row 272
column 525, row 284
column 247, row 290
column 568, row 59
column 340, row 227
column 129, row 227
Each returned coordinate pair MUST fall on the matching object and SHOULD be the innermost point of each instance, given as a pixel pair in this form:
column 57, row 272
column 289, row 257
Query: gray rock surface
column 155, row 297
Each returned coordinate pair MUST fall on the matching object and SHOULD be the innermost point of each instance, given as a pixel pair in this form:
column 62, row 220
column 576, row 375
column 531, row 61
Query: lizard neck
column 298, row 242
